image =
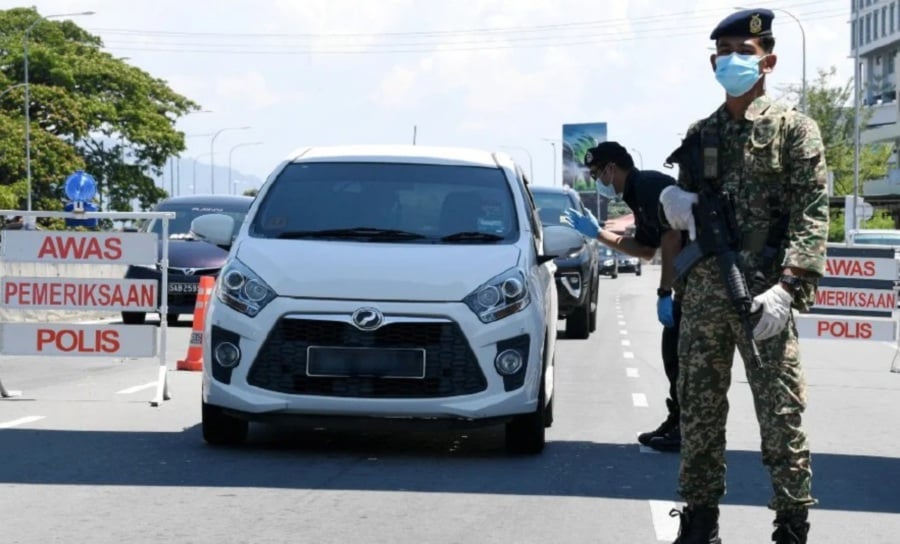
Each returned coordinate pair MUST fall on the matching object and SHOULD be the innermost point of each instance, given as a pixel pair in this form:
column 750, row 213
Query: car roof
column 419, row 154
column 548, row 189
column 208, row 200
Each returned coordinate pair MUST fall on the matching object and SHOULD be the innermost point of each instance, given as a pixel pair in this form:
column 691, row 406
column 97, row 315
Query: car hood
column 195, row 254
column 375, row 271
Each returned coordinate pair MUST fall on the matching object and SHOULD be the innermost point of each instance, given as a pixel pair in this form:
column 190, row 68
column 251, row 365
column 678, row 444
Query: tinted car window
column 431, row 201
column 185, row 213
column 552, row 206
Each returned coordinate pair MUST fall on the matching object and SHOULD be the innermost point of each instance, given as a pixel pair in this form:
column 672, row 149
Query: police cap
column 749, row 23
column 606, row 152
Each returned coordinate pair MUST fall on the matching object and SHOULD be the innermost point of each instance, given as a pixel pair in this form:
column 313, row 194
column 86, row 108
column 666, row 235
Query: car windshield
column 552, row 206
column 388, row 202
column 180, row 227
column 607, row 252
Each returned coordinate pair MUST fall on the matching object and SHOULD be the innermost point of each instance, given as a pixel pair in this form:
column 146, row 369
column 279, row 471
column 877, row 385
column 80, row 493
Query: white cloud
column 251, row 89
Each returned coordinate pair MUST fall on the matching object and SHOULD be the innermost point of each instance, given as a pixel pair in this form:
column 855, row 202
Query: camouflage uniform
column 773, row 157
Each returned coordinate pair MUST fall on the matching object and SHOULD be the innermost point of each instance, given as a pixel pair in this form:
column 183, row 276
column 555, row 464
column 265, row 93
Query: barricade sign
column 857, row 297
column 106, row 295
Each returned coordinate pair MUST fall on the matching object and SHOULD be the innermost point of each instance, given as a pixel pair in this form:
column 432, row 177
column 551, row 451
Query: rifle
column 717, row 231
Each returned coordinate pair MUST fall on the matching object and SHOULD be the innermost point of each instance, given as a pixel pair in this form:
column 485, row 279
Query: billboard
column 576, row 140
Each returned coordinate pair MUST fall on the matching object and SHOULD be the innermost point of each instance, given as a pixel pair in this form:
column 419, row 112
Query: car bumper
column 572, row 291
column 271, row 379
column 182, row 289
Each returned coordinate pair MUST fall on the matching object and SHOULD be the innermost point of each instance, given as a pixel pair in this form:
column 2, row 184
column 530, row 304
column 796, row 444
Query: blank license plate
column 365, row 362
column 183, row 287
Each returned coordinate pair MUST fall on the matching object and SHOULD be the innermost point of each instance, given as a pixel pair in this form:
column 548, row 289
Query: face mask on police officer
column 738, row 73
column 605, row 188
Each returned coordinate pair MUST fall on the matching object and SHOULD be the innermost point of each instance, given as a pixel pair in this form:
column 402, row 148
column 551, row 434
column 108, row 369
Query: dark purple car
column 188, row 258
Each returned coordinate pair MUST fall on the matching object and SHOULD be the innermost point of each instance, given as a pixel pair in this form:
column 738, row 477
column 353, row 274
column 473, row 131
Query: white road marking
column 639, row 400
column 626, row 342
column 21, row 421
column 136, row 388
column 632, row 373
column 666, row 526
column 628, row 355
column 622, row 323
column 623, row 331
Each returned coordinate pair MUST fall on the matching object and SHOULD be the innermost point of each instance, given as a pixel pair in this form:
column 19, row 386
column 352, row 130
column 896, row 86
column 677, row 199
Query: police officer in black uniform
column 613, row 168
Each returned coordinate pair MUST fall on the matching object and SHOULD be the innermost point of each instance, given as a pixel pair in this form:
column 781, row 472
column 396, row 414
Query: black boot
column 791, row 527
column 671, row 441
column 699, row 525
column 664, row 428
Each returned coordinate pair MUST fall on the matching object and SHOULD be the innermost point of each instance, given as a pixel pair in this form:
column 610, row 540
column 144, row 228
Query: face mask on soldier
column 737, row 73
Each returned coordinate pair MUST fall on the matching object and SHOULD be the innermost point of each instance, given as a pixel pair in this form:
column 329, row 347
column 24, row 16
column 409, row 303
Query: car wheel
column 527, row 433
column 637, row 271
column 578, row 324
column 594, row 305
column 614, row 275
column 133, row 318
column 221, row 429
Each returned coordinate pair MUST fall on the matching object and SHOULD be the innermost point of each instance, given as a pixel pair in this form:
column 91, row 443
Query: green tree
column 88, row 110
column 251, row 192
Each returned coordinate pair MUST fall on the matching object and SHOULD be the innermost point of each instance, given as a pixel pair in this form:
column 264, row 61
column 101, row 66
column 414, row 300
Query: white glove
column 776, row 308
column 676, row 203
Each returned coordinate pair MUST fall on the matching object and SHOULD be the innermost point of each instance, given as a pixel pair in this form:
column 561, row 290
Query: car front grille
column 451, row 367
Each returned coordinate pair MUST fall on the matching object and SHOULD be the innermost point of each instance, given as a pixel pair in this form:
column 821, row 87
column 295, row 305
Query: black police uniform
column 641, row 194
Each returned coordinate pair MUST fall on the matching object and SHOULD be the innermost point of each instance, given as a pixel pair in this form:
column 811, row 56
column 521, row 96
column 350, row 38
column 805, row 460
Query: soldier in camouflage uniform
column 771, row 159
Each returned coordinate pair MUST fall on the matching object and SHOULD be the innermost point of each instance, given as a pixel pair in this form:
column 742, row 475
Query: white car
column 402, row 283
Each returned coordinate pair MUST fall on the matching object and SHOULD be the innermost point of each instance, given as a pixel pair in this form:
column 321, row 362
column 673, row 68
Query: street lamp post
column 230, row 152
column 640, row 157
column 553, row 145
column 212, row 151
column 197, row 158
column 803, row 101
column 28, row 95
column 530, row 161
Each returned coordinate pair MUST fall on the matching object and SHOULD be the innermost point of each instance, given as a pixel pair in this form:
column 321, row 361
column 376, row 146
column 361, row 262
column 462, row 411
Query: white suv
column 403, row 283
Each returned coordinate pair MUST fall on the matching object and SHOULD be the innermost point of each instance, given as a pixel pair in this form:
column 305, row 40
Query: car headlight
column 242, row 290
column 609, row 262
column 500, row 297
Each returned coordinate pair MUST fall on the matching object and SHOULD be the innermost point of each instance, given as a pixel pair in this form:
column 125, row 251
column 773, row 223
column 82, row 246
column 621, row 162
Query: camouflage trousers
column 710, row 332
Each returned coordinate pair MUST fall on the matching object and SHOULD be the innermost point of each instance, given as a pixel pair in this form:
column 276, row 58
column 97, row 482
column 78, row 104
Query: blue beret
column 749, row 23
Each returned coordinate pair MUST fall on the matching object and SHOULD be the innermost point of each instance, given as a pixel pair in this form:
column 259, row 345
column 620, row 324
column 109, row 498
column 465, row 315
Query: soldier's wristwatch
column 792, row 283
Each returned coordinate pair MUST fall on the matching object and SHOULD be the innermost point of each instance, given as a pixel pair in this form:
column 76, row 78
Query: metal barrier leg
column 6, row 393
column 162, row 387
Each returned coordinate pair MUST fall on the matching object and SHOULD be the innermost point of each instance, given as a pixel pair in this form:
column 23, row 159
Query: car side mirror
column 560, row 240
column 215, row 228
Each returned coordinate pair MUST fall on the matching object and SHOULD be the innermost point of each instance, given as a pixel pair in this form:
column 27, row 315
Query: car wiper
column 355, row 232
column 472, row 236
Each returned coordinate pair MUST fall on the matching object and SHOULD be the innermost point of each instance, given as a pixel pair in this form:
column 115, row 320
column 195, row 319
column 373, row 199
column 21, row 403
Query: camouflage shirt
column 771, row 162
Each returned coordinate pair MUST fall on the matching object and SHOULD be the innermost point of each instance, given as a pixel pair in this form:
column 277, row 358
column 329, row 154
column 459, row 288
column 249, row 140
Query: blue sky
column 307, row 72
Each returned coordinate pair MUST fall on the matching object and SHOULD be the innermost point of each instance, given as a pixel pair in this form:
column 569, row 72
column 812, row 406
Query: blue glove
column 664, row 311
column 585, row 224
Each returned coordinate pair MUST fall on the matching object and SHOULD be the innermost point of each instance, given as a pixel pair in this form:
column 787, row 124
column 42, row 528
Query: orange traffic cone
column 194, row 359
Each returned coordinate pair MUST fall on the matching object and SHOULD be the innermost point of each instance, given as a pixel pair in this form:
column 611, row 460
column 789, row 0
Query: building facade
column 875, row 37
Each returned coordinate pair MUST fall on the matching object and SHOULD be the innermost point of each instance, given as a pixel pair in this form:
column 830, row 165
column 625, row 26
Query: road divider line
column 628, row 355
column 626, row 342
column 20, row 421
column 622, row 323
column 639, row 400
column 632, row 373
column 623, row 331
column 666, row 526
column 136, row 388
